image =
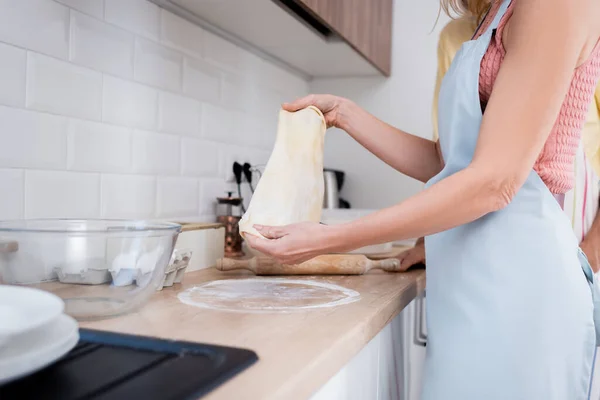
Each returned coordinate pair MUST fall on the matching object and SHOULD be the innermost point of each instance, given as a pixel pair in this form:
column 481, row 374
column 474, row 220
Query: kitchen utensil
column 233, row 240
column 248, row 174
column 331, row 195
column 32, row 351
column 237, row 173
column 331, row 264
column 24, row 309
column 63, row 256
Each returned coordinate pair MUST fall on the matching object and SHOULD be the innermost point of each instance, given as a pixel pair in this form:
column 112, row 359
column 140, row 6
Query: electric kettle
column 334, row 179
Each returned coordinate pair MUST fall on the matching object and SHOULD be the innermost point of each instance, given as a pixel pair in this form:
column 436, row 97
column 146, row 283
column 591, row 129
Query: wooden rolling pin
column 333, row 264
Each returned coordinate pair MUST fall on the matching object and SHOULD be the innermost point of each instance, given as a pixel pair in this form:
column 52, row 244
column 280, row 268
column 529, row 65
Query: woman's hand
column 412, row 256
column 292, row 244
column 332, row 107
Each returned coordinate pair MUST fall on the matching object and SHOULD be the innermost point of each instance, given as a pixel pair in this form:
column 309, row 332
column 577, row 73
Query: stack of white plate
column 34, row 331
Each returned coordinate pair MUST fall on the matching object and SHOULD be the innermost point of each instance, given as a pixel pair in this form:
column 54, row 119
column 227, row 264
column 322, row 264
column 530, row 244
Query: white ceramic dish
column 23, row 309
column 36, row 349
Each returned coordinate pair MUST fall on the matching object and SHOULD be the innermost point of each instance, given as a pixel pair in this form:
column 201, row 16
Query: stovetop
column 112, row 366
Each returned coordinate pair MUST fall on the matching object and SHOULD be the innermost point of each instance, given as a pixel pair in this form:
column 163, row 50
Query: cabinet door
column 365, row 24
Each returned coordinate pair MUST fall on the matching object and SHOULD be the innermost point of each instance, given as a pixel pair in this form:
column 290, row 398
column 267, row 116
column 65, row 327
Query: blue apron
column 510, row 315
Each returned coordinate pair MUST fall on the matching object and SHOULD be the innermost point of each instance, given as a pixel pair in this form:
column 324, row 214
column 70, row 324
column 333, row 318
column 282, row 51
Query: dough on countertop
column 291, row 187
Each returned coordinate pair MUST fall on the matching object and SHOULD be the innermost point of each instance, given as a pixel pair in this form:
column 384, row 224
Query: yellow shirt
column 458, row 31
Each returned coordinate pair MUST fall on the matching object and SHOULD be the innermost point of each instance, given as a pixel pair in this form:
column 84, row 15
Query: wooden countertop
column 298, row 352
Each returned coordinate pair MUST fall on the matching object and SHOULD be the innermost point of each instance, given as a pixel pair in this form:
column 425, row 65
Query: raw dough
column 291, row 188
column 262, row 295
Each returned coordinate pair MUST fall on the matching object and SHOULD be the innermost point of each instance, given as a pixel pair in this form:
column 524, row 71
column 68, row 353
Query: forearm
column 409, row 154
column 456, row 200
column 591, row 244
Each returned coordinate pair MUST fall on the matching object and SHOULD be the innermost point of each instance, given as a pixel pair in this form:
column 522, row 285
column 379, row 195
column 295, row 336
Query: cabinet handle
column 420, row 338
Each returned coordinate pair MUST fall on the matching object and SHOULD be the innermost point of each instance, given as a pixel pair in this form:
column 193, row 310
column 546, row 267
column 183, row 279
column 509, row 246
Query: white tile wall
column 59, row 194
column 217, row 123
column 227, row 54
column 101, row 46
column 240, row 93
column 129, row 104
column 12, row 75
column 138, row 16
column 39, row 25
column 11, row 187
column 199, row 157
column 32, row 140
column 97, row 147
column 179, row 114
column 94, row 8
column 62, row 88
column 128, row 196
column 177, row 196
column 155, row 153
column 157, row 65
column 181, row 34
column 201, row 80
column 118, row 109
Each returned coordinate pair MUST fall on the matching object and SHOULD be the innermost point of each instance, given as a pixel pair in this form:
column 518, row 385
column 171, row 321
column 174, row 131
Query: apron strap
column 495, row 22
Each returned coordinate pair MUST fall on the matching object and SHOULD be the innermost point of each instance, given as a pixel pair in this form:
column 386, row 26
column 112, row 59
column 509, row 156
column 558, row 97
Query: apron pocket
column 595, row 288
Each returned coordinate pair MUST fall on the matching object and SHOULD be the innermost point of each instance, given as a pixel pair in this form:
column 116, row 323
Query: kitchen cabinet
column 313, row 38
column 365, row 24
column 380, row 371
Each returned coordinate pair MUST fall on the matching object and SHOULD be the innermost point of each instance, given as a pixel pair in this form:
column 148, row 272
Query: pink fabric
column 555, row 162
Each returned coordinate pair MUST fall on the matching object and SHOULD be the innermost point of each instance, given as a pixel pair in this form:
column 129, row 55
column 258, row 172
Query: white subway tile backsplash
column 12, row 75
column 138, row 16
column 199, row 157
column 62, row 88
column 39, row 25
column 94, row 8
column 216, row 123
column 98, row 147
column 238, row 92
column 201, row 80
column 128, row 196
column 101, row 46
column 181, row 34
column 11, row 187
column 129, row 104
column 274, row 77
column 157, row 65
column 155, row 153
column 177, row 197
column 210, row 189
column 178, row 114
column 32, row 140
column 59, row 194
column 246, row 129
column 228, row 55
column 119, row 126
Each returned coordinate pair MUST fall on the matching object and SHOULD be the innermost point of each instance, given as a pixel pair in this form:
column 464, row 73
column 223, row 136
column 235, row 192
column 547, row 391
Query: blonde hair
column 474, row 8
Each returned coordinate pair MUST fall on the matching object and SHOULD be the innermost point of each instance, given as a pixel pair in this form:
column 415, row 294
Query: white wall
column 116, row 108
column 404, row 100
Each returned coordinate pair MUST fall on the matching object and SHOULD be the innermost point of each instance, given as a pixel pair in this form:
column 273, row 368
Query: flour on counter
column 258, row 295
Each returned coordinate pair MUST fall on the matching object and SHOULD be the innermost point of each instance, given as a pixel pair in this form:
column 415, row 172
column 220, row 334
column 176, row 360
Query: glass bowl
column 100, row 268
